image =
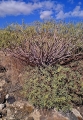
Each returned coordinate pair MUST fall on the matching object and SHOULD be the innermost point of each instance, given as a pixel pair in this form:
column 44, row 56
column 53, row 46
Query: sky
column 15, row 11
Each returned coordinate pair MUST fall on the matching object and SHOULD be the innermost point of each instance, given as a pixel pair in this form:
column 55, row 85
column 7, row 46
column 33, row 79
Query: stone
column 52, row 115
column 19, row 110
column 30, row 118
column 29, row 108
column 2, row 75
column 3, row 112
column 10, row 99
column 6, row 97
column 2, row 83
column 24, row 105
column 80, row 109
column 2, row 106
column 71, row 116
column 2, row 98
column 10, row 115
column 2, row 69
column 77, row 114
column 0, row 114
column 35, row 115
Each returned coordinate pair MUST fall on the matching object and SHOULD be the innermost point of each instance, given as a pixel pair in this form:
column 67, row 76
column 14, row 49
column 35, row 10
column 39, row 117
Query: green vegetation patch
column 50, row 87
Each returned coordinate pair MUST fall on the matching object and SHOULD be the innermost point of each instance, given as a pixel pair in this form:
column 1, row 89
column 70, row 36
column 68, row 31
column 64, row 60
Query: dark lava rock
column 0, row 114
column 2, row 69
column 11, row 99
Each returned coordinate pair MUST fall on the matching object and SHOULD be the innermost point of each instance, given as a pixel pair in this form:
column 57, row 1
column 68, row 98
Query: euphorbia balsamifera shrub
column 47, row 43
column 50, row 87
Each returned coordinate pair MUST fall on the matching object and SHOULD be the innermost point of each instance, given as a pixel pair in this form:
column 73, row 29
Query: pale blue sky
column 12, row 11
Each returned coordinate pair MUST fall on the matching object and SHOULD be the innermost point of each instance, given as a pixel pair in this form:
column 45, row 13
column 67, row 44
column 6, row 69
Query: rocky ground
column 14, row 107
